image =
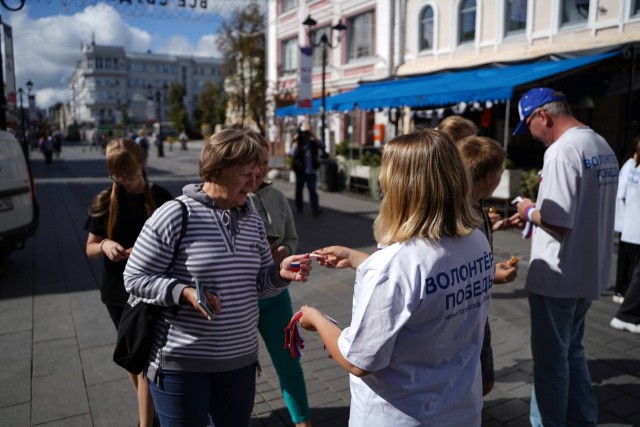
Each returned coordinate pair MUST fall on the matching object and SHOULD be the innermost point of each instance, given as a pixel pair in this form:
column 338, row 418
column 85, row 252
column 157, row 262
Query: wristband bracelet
column 528, row 212
column 102, row 243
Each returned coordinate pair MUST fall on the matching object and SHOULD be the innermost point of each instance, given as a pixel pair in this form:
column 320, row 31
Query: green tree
column 177, row 111
column 212, row 104
column 241, row 40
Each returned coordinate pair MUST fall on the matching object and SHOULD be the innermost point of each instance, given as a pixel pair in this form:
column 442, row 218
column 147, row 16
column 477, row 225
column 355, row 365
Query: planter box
column 509, row 186
column 360, row 179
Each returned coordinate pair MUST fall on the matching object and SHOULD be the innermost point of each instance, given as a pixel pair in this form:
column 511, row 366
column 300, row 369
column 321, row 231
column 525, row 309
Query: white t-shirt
column 631, row 196
column 577, row 191
column 418, row 318
column 622, row 183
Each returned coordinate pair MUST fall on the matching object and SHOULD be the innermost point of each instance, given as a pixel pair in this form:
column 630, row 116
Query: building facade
column 399, row 39
column 111, row 86
column 365, row 50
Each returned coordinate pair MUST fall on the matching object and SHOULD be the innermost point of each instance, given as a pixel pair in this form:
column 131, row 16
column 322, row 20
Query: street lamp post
column 25, row 143
column 325, row 42
column 158, row 94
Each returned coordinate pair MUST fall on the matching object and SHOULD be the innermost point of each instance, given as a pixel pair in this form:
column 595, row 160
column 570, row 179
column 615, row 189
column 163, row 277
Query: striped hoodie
column 228, row 252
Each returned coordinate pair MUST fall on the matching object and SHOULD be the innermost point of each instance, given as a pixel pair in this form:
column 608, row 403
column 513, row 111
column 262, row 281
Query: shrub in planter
column 530, row 184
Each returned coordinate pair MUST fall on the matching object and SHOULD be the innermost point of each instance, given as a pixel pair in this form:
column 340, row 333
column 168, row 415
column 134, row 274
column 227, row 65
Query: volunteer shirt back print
column 418, row 321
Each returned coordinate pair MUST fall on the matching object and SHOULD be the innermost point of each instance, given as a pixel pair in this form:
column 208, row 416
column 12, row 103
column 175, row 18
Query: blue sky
column 48, row 34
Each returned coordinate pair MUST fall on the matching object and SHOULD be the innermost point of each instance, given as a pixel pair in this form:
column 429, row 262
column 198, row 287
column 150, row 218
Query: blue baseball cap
column 533, row 100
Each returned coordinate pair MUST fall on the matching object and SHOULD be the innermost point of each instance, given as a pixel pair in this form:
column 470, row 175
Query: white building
column 110, row 84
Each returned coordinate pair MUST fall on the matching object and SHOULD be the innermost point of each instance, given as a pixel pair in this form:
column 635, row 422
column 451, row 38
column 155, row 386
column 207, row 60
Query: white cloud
column 180, row 45
column 46, row 50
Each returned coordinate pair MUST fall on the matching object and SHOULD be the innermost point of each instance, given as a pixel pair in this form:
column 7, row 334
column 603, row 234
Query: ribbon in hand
column 292, row 339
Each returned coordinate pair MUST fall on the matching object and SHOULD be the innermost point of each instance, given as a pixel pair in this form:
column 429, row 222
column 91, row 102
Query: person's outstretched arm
column 313, row 320
column 340, row 257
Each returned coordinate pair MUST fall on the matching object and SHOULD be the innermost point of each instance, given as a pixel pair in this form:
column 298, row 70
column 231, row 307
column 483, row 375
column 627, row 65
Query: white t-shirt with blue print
column 418, row 318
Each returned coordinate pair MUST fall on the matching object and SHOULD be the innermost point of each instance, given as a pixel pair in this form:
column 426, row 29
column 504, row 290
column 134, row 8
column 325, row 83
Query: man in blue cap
column 571, row 250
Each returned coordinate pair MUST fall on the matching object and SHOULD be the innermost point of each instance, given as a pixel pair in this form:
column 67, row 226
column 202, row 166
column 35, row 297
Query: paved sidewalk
column 56, row 337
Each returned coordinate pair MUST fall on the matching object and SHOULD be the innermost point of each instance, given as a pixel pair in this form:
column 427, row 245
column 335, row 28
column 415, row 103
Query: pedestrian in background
column 183, row 138
column 46, row 146
column 204, row 364
column 115, row 219
column 571, row 250
column 626, row 258
column 305, row 152
column 57, row 144
column 143, row 142
column 276, row 311
column 413, row 345
column 628, row 316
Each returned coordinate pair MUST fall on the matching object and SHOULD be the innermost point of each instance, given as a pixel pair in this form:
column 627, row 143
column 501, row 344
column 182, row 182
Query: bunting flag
column 304, row 74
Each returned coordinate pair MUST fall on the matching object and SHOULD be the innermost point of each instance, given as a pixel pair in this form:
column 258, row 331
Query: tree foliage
column 177, row 112
column 241, row 40
column 212, row 104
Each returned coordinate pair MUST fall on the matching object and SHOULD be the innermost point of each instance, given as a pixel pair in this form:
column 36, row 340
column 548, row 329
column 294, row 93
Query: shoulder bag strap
column 183, row 230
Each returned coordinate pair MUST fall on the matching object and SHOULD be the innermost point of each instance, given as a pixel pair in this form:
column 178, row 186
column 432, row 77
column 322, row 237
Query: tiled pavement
column 56, row 337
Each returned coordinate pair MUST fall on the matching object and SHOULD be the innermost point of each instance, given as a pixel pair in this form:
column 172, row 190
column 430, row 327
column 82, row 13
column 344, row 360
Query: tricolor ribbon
column 292, row 339
column 527, row 232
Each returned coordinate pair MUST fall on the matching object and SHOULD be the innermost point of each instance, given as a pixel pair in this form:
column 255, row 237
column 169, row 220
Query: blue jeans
column 187, row 399
column 562, row 392
column 312, row 181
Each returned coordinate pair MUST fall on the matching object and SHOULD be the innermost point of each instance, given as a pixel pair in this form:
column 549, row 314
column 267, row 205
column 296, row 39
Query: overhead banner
column 304, row 73
column 9, row 70
column 150, row 105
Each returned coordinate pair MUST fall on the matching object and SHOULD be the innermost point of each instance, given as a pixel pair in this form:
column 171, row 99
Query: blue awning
column 294, row 110
column 448, row 88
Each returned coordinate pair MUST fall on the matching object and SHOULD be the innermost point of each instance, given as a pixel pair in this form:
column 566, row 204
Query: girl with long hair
column 115, row 220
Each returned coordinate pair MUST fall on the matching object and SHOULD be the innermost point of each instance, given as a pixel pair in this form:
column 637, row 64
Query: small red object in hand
column 295, row 266
column 292, row 339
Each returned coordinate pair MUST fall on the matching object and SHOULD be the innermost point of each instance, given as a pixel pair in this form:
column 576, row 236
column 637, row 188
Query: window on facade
column 316, row 36
column 288, row 5
column 289, row 55
column 635, row 7
column 574, row 11
column 515, row 16
column 360, row 36
column 467, row 23
column 426, row 28
column 98, row 63
column 107, row 63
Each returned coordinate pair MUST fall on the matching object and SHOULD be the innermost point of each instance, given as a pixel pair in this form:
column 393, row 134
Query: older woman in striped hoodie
column 200, row 364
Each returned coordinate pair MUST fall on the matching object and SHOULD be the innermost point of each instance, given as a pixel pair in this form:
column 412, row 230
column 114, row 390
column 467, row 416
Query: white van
column 19, row 212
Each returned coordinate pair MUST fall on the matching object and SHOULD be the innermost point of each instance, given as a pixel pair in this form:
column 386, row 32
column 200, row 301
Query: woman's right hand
column 189, row 294
column 340, row 257
column 113, row 250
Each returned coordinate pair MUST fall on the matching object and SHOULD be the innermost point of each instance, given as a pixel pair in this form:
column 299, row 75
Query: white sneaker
column 618, row 299
column 624, row 326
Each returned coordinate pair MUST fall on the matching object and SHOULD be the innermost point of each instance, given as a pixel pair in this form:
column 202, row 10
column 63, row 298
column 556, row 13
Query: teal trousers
column 275, row 314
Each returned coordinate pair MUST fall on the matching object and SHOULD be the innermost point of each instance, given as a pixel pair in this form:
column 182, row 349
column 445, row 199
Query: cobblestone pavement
column 56, row 336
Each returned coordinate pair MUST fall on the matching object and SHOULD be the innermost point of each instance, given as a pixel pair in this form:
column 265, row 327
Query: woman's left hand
column 289, row 270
